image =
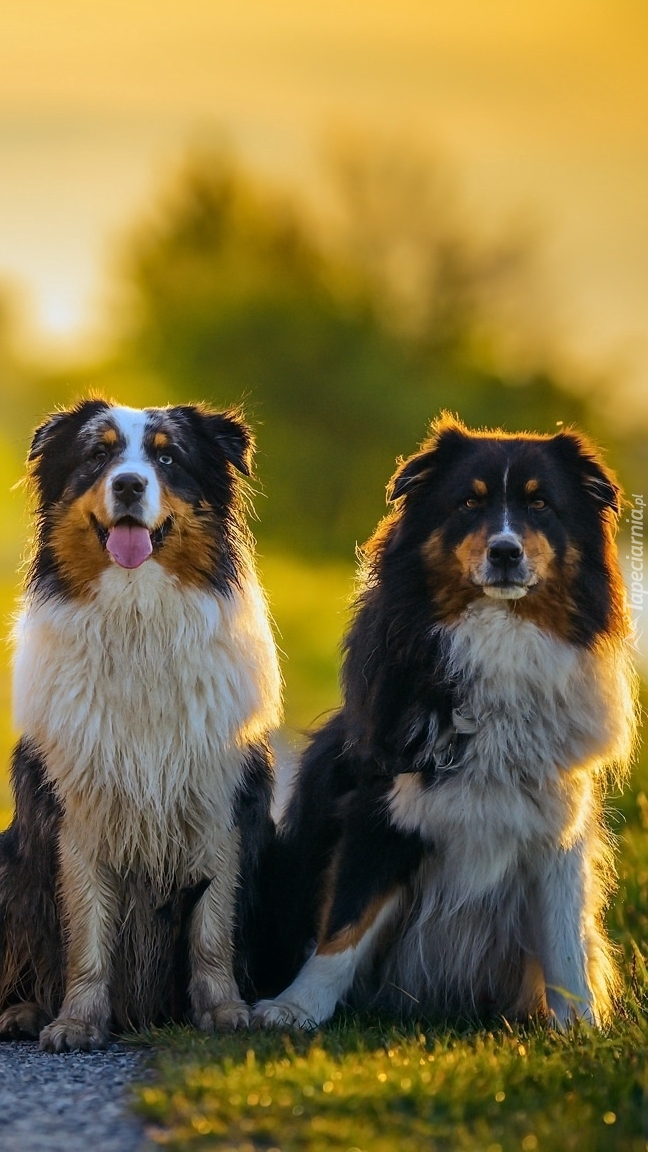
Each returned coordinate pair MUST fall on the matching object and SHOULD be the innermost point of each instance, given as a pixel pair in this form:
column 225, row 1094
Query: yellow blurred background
column 346, row 216
column 542, row 105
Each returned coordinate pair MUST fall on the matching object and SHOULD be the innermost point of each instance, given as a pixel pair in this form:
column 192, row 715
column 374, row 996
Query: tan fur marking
column 550, row 602
column 161, row 440
column 539, row 553
column 110, row 436
column 327, row 894
column 351, row 936
column 480, row 488
column 471, row 551
column 80, row 556
column 531, row 997
column 450, row 573
column 531, row 486
column 191, row 549
column 619, row 624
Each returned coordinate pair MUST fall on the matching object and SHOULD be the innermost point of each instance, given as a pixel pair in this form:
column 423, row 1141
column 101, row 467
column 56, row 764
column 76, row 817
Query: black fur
column 31, row 952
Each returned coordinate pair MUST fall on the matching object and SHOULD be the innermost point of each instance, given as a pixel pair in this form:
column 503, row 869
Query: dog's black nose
column 128, row 487
column 505, row 551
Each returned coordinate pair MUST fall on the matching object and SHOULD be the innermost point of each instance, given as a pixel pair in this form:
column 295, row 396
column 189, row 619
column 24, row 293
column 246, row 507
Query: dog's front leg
column 329, row 973
column 215, row 999
column 562, row 943
column 90, row 909
column 365, row 883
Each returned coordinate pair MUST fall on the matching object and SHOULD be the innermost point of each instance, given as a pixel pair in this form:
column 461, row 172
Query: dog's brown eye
column 99, row 455
column 471, row 502
column 537, row 505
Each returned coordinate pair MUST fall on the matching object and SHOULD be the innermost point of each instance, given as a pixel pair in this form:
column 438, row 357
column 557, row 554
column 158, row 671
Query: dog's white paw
column 69, row 1035
column 281, row 1014
column 565, row 1016
column 228, row 1016
column 24, row 1019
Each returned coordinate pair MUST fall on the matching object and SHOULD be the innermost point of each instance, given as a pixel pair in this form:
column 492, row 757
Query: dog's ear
column 45, row 433
column 63, row 425
column 51, row 454
column 448, row 436
column 602, row 485
column 234, row 438
column 409, row 474
column 597, row 479
column 226, row 432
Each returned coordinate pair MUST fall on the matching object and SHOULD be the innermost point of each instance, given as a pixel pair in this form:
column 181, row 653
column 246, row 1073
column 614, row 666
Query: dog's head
column 524, row 519
column 123, row 486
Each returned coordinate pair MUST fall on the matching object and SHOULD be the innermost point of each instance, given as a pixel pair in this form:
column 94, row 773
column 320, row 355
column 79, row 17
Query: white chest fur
column 541, row 704
column 142, row 700
column 546, row 716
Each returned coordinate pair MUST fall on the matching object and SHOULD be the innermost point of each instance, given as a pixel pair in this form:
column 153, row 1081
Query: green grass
column 360, row 1085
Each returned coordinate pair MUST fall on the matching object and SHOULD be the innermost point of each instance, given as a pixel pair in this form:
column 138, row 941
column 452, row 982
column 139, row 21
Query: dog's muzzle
column 506, row 575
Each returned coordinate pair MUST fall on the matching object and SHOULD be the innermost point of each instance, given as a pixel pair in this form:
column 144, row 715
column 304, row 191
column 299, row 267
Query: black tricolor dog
column 146, row 683
column 443, row 850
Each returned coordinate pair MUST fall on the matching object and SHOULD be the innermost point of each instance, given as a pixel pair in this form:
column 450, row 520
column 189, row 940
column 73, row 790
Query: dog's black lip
column 158, row 535
column 102, row 533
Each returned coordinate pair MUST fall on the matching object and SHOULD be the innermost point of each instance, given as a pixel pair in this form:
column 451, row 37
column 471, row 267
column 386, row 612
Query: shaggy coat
column 146, row 684
column 443, row 851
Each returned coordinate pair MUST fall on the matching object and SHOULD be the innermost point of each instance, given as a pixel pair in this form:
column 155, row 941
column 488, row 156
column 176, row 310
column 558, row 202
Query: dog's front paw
column 563, row 1016
column 69, row 1035
column 23, row 1020
column 228, row 1016
column 281, row 1014
column 565, row 1012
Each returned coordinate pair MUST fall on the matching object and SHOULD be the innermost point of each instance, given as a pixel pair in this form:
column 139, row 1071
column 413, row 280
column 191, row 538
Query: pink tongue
column 129, row 545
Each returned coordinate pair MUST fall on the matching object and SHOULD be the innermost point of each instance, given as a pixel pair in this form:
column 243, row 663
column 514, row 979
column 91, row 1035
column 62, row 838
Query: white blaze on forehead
column 131, row 423
column 506, row 525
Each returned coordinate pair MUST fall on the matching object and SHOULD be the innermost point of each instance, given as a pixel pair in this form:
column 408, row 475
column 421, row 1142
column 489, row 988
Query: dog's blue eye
column 165, row 458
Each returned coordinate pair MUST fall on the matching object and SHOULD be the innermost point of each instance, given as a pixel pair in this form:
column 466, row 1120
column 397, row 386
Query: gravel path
column 70, row 1103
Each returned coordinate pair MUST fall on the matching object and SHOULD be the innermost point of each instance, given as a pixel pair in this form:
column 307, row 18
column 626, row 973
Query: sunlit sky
column 542, row 106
